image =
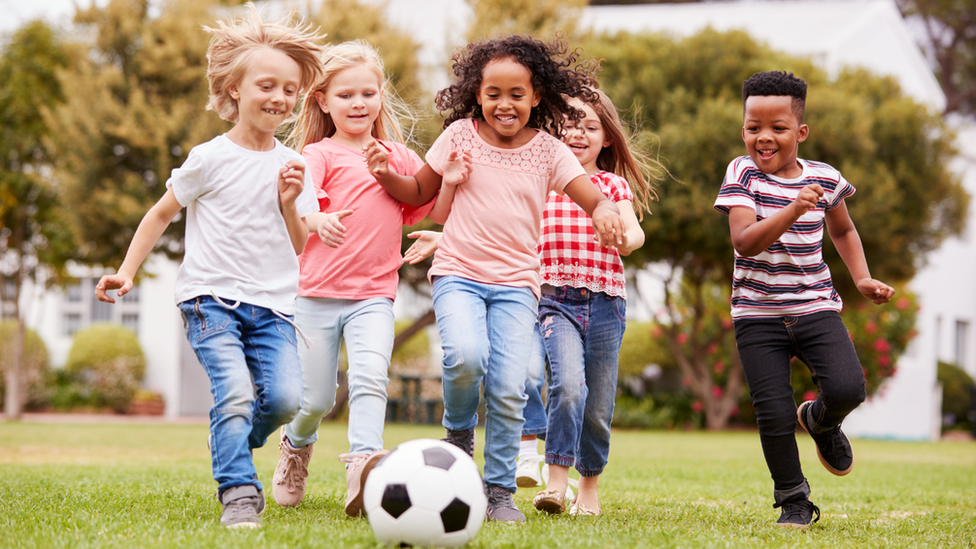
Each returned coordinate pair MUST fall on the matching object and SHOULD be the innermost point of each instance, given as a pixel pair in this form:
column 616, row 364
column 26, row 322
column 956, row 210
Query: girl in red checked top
column 349, row 267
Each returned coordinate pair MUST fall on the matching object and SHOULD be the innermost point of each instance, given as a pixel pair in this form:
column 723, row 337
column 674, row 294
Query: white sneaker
column 527, row 472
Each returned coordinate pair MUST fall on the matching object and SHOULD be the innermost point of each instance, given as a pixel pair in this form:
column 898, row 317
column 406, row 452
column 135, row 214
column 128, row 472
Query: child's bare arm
column 456, row 171
column 415, row 190
column 423, row 247
column 328, row 226
column 634, row 234
column 150, row 229
column 750, row 236
column 844, row 235
column 291, row 181
column 607, row 224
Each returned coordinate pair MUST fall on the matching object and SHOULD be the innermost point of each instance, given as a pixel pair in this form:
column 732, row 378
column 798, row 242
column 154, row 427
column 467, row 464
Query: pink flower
column 713, row 348
column 902, row 303
column 682, row 338
column 809, row 395
column 686, row 381
column 696, row 406
column 726, row 323
column 881, row 345
column 656, row 331
column 884, row 361
column 734, row 411
column 717, row 391
column 719, row 367
column 870, row 327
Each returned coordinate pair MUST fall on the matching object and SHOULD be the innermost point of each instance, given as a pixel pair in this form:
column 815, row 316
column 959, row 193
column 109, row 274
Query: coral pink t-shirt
column 365, row 265
column 492, row 232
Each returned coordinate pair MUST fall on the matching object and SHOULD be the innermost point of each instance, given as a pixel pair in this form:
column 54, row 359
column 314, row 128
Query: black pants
column 766, row 346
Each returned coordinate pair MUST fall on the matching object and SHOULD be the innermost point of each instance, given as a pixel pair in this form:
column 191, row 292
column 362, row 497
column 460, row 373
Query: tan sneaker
column 288, row 484
column 358, row 467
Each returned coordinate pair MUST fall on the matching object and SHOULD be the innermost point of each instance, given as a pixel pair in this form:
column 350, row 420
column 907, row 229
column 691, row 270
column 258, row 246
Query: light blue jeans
column 367, row 327
column 486, row 331
column 535, row 411
column 582, row 331
column 250, row 356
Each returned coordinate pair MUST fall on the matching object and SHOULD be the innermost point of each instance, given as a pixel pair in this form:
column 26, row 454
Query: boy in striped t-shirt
column 783, row 301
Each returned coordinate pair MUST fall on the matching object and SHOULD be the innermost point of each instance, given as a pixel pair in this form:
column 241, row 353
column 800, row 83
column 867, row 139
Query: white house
column 870, row 33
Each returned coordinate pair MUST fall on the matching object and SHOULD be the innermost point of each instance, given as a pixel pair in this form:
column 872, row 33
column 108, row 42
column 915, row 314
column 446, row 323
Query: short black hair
column 777, row 83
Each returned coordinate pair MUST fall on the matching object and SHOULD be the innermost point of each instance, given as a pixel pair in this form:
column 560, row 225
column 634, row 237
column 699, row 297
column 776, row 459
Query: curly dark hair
column 777, row 83
column 556, row 72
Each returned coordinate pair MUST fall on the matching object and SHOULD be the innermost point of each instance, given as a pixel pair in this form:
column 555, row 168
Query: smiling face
column 506, row 97
column 265, row 96
column 772, row 134
column 353, row 100
column 586, row 137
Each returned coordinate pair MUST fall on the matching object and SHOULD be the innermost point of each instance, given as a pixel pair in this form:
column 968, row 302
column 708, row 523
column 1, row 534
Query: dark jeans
column 766, row 346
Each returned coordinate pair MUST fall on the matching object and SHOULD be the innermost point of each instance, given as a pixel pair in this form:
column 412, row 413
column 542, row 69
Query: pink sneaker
column 358, row 467
column 288, row 484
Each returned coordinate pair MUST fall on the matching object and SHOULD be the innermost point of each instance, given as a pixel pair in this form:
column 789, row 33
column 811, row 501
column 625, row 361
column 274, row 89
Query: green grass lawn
column 126, row 485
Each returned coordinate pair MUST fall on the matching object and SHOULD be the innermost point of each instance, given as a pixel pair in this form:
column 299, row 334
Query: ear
column 743, row 134
column 234, row 93
column 536, row 99
column 320, row 99
column 803, row 133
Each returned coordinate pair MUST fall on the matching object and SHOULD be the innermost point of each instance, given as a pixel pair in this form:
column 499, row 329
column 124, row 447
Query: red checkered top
column 569, row 254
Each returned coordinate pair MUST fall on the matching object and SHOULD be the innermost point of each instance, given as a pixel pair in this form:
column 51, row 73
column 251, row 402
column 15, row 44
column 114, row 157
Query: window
column 72, row 323
column 80, row 308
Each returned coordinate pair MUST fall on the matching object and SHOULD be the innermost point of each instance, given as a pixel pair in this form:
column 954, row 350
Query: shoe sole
column 549, row 506
column 527, row 482
column 355, row 507
column 791, row 525
column 242, row 525
column 827, row 466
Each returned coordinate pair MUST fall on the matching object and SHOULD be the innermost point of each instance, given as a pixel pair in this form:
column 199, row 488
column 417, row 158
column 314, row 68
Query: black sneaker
column 462, row 439
column 833, row 447
column 797, row 514
column 501, row 506
column 242, row 505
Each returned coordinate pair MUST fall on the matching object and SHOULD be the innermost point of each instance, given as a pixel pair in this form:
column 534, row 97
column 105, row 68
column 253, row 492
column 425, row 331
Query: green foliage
column 108, row 359
column 34, row 366
column 542, row 19
column 414, row 354
column 957, row 396
column 643, row 345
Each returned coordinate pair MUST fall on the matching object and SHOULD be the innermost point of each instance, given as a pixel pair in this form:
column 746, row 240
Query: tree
column 889, row 147
column 35, row 242
column 542, row 19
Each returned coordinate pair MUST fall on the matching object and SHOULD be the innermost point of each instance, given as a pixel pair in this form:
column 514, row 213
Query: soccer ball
column 425, row 492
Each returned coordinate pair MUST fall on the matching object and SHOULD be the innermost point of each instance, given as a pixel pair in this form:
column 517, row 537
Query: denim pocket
column 287, row 329
column 203, row 317
column 619, row 307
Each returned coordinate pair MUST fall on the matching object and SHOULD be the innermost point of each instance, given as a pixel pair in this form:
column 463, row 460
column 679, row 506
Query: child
column 347, row 285
column 783, row 302
column 485, row 272
column 246, row 204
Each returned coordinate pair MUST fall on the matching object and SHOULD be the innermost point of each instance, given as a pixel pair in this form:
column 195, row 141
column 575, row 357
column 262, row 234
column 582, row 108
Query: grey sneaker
column 833, row 447
column 797, row 514
column 242, row 506
column 462, row 439
column 288, row 483
column 501, row 507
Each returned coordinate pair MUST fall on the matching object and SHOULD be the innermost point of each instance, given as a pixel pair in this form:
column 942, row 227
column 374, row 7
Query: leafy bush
column 957, row 396
column 109, row 362
column 35, row 365
column 643, row 345
column 414, row 354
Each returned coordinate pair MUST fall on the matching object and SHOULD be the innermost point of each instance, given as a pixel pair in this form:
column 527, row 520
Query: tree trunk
column 12, row 396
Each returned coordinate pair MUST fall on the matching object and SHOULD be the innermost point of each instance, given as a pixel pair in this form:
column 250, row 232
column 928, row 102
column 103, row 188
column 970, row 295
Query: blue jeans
column 766, row 346
column 535, row 411
column 251, row 357
column 486, row 331
column 582, row 331
column 367, row 327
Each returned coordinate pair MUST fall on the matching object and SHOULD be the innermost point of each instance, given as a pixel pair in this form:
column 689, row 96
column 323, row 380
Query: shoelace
column 500, row 497
column 295, row 471
column 352, row 458
column 242, row 508
column 800, row 510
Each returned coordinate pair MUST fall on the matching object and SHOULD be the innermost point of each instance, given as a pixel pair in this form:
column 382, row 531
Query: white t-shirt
column 237, row 244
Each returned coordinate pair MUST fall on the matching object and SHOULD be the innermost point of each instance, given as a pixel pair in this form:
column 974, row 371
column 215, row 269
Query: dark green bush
column 35, row 365
column 957, row 396
column 109, row 362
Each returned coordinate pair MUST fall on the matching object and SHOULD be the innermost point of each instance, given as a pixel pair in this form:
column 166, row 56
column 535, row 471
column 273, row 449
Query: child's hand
column 457, row 169
column 608, row 226
column 875, row 290
column 120, row 282
column 424, row 247
column 808, row 198
column 375, row 155
column 291, row 180
column 331, row 231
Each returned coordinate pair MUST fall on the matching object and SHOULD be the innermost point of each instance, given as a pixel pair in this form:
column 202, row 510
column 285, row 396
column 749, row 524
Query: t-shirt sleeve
column 619, row 189
column 841, row 191
column 189, row 180
column 408, row 163
column 441, row 149
column 735, row 188
column 307, row 203
column 315, row 169
column 565, row 168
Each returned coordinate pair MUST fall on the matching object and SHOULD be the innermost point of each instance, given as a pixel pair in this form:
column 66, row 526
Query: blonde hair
column 233, row 45
column 314, row 125
column 618, row 158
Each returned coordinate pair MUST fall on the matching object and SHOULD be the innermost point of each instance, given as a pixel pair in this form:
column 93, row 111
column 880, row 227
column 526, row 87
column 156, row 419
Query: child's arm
column 424, row 247
column 634, row 235
column 844, row 235
column 750, row 237
column 150, row 229
column 456, row 171
column 605, row 214
column 291, row 180
column 415, row 190
column 328, row 226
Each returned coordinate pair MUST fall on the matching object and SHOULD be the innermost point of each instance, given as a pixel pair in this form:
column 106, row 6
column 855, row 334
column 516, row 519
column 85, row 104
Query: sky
column 14, row 13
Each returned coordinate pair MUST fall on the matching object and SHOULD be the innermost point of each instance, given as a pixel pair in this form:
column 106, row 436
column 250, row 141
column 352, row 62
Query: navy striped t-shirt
column 789, row 278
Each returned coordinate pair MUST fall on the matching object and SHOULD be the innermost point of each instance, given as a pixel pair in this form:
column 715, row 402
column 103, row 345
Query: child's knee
column 283, row 404
column 845, row 398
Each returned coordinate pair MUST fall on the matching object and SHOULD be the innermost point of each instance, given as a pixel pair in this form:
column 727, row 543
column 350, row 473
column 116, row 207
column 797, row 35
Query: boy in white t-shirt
column 783, row 301
column 246, row 202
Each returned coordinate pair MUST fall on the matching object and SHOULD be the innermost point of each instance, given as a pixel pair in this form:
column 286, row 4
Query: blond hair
column 618, row 158
column 233, row 45
column 314, row 125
